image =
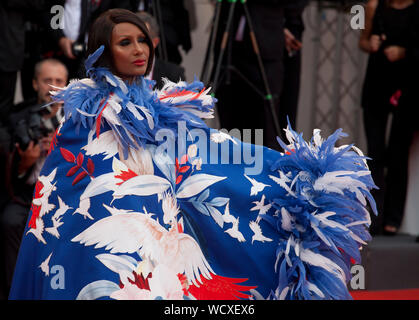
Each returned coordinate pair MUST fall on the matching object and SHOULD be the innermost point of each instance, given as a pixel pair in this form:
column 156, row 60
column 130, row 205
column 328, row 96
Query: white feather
column 106, row 144
column 198, row 113
column 133, row 109
column 113, row 210
column 110, row 81
column 358, row 239
column 330, row 223
column 283, row 184
column 338, row 181
column 114, row 104
column 317, row 137
column 150, row 119
column 313, row 288
column 286, row 221
column 110, row 115
column 318, row 260
column 289, row 135
column 287, row 250
column 85, row 113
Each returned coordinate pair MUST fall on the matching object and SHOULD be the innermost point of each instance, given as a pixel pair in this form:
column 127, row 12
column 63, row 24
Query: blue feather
column 132, row 132
column 304, row 163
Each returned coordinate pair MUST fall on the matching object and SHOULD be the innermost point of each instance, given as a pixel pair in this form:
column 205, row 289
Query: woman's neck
column 130, row 80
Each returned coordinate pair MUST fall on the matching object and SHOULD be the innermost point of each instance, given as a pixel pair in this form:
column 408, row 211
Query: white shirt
column 150, row 74
column 140, row 5
column 72, row 16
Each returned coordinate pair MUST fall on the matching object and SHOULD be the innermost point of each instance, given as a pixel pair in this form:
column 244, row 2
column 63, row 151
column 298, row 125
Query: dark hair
column 101, row 34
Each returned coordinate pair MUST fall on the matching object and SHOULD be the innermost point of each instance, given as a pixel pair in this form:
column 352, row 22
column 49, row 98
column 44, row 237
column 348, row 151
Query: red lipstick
column 139, row 62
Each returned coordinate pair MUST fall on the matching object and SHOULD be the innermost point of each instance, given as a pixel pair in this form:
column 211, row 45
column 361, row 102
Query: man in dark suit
column 293, row 31
column 242, row 103
column 160, row 68
column 12, row 37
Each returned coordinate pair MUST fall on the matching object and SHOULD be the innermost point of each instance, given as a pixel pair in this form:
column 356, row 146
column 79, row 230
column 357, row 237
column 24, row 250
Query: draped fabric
column 139, row 199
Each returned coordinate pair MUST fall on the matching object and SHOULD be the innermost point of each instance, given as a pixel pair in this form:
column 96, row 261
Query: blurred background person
column 31, row 128
column 160, row 67
column 388, row 29
column 293, row 32
column 251, row 110
column 12, row 39
column 12, row 42
column 409, row 100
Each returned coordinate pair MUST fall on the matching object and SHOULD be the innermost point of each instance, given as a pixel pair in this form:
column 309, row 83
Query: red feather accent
column 126, row 175
column 54, row 142
column 177, row 164
column 288, row 153
column 99, row 118
column 343, row 252
column 183, row 280
column 182, row 93
column 35, row 214
column 175, row 94
column 184, row 159
column 72, row 171
column 179, row 228
column 80, row 176
column 220, row 288
column 198, row 94
column 184, row 169
column 140, row 281
column 90, row 166
column 35, row 209
column 38, row 187
column 179, row 179
column 80, row 159
column 67, row 155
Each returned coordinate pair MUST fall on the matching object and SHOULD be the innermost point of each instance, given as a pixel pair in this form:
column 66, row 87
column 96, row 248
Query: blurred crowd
column 47, row 45
column 45, row 41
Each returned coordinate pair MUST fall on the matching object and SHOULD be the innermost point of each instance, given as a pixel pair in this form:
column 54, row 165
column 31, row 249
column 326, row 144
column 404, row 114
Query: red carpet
column 409, row 294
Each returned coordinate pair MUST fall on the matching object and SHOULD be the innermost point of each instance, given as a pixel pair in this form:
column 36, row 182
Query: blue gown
column 139, row 199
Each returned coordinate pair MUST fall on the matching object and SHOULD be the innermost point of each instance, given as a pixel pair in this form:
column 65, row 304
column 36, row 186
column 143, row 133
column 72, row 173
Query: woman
column 138, row 199
column 386, row 37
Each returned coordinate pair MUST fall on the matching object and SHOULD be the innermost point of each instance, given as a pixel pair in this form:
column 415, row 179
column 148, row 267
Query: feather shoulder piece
column 321, row 215
column 133, row 111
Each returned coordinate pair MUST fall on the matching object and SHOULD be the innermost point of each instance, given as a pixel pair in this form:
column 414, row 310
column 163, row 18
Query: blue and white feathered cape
column 128, row 206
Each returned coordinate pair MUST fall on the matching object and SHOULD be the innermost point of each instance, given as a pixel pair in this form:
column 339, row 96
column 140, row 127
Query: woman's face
column 130, row 51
